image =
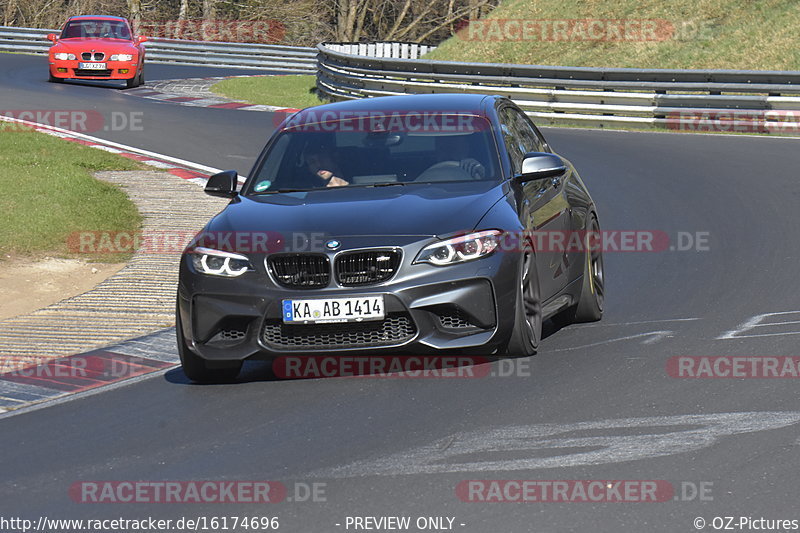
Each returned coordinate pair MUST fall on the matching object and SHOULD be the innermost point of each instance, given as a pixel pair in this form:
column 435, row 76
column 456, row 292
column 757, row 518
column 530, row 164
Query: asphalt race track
column 239, row 136
column 596, row 403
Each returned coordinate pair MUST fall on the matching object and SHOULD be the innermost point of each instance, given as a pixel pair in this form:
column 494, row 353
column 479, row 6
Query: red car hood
column 109, row 46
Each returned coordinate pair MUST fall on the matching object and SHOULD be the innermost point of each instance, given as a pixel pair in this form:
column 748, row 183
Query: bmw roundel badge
column 332, row 245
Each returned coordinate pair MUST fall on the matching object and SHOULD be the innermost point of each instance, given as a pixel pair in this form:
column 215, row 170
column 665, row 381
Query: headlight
column 219, row 263
column 63, row 56
column 121, row 57
column 460, row 249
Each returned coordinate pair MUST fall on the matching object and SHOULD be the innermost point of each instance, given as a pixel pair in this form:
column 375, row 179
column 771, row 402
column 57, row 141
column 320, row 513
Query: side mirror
column 539, row 165
column 52, row 37
column 223, row 184
column 141, row 39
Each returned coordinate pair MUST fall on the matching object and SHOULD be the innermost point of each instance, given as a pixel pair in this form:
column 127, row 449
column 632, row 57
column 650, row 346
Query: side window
column 526, row 132
column 514, row 145
column 542, row 142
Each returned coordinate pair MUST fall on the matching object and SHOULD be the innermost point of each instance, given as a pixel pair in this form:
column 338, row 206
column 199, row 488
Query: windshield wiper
column 387, row 184
column 276, row 191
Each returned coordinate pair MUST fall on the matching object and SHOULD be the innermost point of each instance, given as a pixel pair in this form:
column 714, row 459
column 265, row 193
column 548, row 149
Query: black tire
column 53, row 79
column 590, row 304
column 137, row 80
column 527, row 333
column 195, row 367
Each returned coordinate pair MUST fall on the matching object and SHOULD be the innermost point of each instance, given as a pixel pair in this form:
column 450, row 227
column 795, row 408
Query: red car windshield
column 96, row 29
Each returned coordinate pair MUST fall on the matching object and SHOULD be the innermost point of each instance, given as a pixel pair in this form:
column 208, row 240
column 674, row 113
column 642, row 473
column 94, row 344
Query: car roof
column 97, row 17
column 413, row 103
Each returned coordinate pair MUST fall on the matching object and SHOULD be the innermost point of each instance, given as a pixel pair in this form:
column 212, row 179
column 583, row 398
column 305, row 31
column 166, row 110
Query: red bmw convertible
column 97, row 48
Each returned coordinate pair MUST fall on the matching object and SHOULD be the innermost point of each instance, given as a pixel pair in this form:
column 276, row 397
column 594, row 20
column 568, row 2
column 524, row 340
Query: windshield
column 343, row 153
column 96, row 29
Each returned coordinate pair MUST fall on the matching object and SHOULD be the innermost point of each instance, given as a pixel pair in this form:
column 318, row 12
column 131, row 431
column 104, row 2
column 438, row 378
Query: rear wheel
column 528, row 313
column 196, row 368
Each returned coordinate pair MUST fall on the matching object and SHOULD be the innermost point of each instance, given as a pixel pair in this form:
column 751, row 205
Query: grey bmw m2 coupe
column 419, row 224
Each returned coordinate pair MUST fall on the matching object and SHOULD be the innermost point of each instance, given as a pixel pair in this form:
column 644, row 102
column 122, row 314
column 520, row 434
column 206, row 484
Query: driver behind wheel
column 320, row 161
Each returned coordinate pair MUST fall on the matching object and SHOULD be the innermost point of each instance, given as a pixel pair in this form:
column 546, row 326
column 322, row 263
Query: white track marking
column 537, row 446
column 109, row 149
column 652, row 338
column 637, row 323
column 60, row 132
column 757, row 321
column 157, row 164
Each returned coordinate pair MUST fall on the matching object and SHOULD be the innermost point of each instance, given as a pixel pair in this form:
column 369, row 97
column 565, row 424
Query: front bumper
column 429, row 310
column 115, row 70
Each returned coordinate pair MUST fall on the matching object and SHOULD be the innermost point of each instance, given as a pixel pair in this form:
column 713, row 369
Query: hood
column 413, row 209
column 109, row 46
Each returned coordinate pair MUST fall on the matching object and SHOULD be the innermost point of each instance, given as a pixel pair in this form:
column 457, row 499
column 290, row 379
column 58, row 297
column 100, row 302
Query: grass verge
column 293, row 90
column 690, row 34
column 49, row 193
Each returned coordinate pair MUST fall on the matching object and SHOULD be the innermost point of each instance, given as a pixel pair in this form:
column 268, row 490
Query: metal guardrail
column 580, row 95
column 213, row 54
column 395, row 49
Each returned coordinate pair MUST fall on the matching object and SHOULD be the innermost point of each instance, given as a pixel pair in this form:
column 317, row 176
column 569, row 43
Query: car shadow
column 550, row 328
column 435, row 366
column 97, row 84
column 258, row 371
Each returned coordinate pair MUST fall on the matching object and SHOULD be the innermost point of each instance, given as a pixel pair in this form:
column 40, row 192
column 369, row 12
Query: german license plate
column 92, row 66
column 318, row 311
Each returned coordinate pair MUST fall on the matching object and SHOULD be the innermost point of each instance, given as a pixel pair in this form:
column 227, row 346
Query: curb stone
column 196, row 92
column 40, row 355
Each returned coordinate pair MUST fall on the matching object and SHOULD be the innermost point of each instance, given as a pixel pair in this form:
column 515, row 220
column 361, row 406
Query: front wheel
column 590, row 304
column 527, row 331
column 137, row 80
column 53, row 79
column 195, row 367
